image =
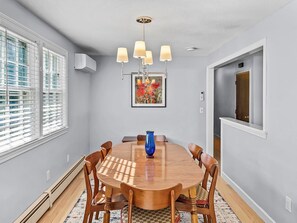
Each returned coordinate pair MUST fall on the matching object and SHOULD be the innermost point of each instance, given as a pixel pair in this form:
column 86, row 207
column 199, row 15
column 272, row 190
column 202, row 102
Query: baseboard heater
column 46, row 200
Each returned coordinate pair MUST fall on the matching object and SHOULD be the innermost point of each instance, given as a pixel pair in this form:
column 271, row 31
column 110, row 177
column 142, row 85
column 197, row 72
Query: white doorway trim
column 210, row 70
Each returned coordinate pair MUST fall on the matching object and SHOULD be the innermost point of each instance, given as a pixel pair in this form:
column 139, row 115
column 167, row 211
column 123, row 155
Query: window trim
column 41, row 42
column 16, row 151
column 244, row 126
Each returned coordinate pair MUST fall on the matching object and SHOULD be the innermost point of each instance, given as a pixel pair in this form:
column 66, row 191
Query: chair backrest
column 211, row 169
column 196, row 152
column 151, row 199
column 158, row 138
column 91, row 163
column 141, row 137
column 103, row 152
column 108, row 146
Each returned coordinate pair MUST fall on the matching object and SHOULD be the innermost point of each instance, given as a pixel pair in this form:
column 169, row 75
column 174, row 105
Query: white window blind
column 54, row 113
column 19, row 90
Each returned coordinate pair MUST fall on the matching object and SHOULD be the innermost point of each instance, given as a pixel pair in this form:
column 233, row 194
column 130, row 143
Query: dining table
column 172, row 164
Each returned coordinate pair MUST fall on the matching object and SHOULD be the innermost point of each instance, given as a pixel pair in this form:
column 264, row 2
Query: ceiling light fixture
column 144, row 56
column 192, row 48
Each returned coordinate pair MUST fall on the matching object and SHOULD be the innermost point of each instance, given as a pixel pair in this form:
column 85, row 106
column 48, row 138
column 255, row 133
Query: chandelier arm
column 122, row 70
column 139, row 65
column 134, row 72
column 165, row 68
column 147, row 71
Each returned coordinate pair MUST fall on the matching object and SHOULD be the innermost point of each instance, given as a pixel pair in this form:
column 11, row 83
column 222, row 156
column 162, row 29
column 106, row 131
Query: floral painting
column 148, row 91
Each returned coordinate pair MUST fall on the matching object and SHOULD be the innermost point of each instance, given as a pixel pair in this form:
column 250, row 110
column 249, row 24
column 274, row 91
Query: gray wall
column 224, row 95
column 112, row 116
column 266, row 169
column 225, row 90
column 23, row 178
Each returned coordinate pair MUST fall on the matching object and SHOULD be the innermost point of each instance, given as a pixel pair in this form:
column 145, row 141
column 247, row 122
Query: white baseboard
column 45, row 201
column 265, row 217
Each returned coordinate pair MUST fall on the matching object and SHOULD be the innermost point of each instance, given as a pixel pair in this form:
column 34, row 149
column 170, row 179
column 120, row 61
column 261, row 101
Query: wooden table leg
column 192, row 195
column 108, row 193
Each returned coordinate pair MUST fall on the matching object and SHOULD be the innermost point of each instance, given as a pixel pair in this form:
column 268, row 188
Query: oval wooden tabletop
column 171, row 165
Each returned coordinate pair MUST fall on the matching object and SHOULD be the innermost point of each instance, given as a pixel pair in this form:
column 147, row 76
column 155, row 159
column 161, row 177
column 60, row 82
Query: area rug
column 224, row 213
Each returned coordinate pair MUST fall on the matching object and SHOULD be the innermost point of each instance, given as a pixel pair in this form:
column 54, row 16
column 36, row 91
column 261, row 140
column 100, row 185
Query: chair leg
column 91, row 217
column 97, row 215
column 213, row 217
column 209, row 220
column 86, row 215
column 205, row 219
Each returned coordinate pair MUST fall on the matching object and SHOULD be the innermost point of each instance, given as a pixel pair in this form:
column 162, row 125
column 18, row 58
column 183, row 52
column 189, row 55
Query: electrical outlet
column 48, row 175
column 288, row 204
column 67, row 158
column 201, row 110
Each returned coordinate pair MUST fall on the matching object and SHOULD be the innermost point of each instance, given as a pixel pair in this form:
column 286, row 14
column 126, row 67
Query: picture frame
column 150, row 92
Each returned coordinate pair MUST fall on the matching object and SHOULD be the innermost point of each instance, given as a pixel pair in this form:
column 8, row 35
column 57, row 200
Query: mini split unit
column 84, row 63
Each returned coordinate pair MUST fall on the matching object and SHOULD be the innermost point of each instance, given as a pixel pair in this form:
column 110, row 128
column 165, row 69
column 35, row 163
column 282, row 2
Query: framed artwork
column 150, row 92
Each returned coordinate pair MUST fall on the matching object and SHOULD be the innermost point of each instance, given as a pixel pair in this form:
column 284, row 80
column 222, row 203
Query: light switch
column 202, row 96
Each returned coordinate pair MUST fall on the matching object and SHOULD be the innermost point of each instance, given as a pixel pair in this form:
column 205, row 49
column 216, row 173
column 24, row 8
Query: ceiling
column 100, row 27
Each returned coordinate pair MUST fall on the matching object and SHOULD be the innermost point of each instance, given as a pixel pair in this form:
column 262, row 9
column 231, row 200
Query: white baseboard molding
column 35, row 211
column 60, row 185
column 46, row 200
column 263, row 214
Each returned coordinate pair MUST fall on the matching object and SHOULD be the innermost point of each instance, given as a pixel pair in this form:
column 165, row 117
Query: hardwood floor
column 67, row 200
column 217, row 148
column 237, row 204
column 64, row 204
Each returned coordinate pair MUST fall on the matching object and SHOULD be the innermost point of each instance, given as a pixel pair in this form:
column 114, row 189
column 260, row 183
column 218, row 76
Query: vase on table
column 150, row 144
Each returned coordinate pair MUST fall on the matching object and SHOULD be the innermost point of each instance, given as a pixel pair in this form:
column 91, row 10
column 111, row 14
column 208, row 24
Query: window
column 53, row 90
column 18, row 90
column 32, row 100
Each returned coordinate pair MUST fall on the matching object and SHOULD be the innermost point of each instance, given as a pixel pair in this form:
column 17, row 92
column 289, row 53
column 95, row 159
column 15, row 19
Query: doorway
column 242, row 83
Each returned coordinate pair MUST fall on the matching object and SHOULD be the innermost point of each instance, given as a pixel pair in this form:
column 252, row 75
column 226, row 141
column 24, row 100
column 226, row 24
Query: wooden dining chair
column 103, row 152
column 150, row 205
column 196, row 152
column 158, row 138
column 107, row 145
column 96, row 197
column 205, row 196
column 141, row 137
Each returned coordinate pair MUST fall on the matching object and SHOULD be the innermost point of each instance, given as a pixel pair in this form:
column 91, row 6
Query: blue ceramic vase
column 150, row 144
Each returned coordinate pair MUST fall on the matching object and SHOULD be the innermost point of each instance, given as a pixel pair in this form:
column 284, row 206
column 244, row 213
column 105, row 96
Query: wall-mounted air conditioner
column 84, row 63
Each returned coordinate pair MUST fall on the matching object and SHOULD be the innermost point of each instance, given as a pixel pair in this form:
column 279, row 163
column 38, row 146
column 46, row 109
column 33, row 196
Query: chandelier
column 145, row 57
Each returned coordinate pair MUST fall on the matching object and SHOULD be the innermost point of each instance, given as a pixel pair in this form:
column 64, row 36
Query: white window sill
column 16, row 151
column 245, row 126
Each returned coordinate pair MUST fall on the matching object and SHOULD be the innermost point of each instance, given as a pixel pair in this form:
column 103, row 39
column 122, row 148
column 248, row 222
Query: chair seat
column 201, row 198
column 100, row 198
column 147, row 216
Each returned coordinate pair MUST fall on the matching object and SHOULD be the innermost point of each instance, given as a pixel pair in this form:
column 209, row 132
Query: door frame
column 210, row 70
